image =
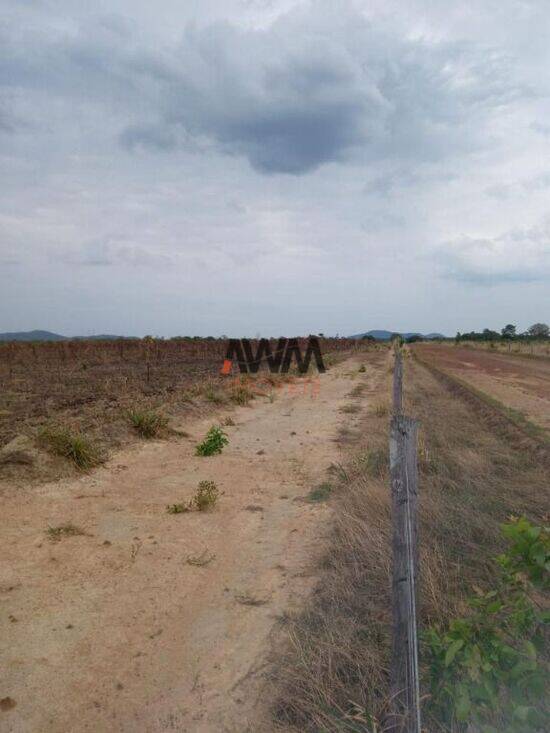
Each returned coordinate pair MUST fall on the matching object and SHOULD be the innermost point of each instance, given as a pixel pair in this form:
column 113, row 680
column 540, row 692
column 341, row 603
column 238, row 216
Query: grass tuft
column 213, row 395
column 320, row 493
column 55, row 534
column 73, row 446
column 241, row 395
column 147, row 423
column 177, row 508
column 380, row 409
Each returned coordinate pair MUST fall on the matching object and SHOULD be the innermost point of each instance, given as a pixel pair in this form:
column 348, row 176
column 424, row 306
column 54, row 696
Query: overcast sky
column 274, row 167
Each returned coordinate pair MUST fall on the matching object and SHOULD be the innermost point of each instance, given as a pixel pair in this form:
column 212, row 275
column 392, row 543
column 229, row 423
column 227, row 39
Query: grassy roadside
column 332, row 673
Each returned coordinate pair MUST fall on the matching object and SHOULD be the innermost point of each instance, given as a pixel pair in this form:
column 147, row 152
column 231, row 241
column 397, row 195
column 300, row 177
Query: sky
column 269, row 167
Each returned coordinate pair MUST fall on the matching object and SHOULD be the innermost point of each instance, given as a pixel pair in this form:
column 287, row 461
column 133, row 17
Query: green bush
column 213, row 443
column 487, row 665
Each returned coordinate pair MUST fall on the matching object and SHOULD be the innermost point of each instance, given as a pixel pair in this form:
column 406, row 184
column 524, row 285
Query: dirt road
column 116, row 630
column 520, row 383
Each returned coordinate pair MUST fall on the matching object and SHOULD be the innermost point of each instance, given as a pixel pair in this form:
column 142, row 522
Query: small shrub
column 177, row 508
column 228, row 421
column 213, row 443
column 63, row 530
column 362, row 368
column 489, row 662
column 73, row 446
column 380, row 410
column 147, row 423
column 321, row 492
column 206, row 496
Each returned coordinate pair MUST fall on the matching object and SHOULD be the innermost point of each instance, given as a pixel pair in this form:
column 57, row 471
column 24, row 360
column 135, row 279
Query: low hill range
column 49, row 336
column 381, row 335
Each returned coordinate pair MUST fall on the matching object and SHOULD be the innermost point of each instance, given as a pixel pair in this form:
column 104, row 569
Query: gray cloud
column 156, row 137
column 109, row 252
column 159, row 163
column 319, row 85
column 327, row 87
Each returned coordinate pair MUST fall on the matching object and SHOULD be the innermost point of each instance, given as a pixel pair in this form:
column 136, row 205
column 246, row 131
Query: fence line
column 405, row 688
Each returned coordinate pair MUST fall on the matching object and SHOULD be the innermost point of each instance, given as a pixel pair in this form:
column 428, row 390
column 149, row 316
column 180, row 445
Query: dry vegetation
column 79, row 400
column 333, row 675
column 516, row 347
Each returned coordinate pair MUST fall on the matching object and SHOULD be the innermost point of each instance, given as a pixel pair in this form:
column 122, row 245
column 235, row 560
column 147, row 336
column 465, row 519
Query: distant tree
column 489, row 335
column 509, row 331
column 414, row 338
column 367, row 337
column 321, row 335
column 539, row 330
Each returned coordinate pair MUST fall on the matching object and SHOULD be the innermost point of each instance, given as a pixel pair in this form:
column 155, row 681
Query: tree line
column 508, row 333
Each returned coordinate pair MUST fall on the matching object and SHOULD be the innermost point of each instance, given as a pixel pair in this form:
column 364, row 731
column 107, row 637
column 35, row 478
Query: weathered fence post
column 405, row 689
column 398, row 382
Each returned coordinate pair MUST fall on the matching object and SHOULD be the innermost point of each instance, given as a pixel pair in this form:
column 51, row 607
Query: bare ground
column 519, row 383
column 150, row 621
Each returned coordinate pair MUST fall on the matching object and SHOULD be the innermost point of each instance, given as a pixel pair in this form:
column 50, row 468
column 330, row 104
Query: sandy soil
column 520, row 383
column 115, row 630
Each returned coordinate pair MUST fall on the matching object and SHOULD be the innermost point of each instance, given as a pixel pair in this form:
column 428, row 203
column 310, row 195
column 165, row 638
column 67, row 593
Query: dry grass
column 93, row 385
column 55, row 534
column 332, row 671
column 73, row 446
column 147, row 423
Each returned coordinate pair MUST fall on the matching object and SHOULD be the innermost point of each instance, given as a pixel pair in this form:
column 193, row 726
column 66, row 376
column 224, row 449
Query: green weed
column 213, row 443
column 489, row 661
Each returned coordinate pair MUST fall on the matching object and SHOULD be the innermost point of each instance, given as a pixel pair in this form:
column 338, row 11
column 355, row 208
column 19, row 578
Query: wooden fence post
column 398, row 382
column 404, row 682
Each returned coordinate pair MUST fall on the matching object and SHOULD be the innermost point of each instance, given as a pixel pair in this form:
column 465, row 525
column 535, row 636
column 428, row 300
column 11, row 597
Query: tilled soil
column 519, row 383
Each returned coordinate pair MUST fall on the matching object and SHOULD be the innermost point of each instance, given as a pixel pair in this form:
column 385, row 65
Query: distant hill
column 49, row 336
column 31, row 336
column 386, row 335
